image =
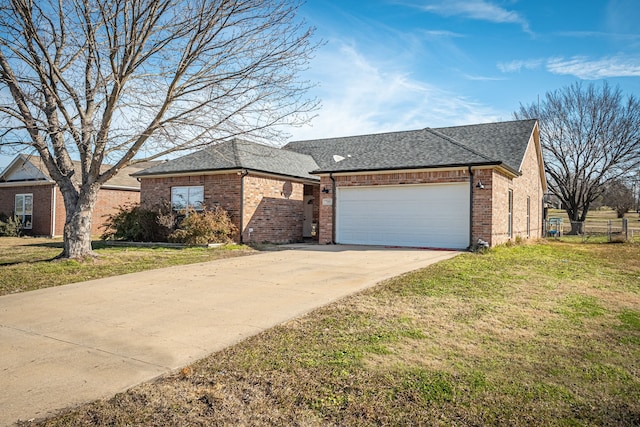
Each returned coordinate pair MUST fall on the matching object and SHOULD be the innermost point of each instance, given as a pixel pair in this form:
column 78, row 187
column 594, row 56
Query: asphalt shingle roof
column 502, row 143
column 239, row 154
column 492, row 143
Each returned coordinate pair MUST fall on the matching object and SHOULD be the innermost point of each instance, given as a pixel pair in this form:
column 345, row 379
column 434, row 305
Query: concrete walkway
column 62, row 346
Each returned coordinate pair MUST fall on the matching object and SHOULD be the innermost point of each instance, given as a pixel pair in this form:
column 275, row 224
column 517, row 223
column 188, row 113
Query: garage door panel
column 411, row 215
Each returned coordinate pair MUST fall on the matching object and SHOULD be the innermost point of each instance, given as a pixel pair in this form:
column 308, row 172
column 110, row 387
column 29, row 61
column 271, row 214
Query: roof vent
column 337, row 158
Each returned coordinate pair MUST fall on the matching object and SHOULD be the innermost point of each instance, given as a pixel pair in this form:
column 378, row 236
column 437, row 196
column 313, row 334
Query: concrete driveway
column 67, row 345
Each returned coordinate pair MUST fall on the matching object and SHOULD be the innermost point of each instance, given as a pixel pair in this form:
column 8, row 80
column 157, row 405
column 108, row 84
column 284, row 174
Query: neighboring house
column 27, row 191
column 439, row 188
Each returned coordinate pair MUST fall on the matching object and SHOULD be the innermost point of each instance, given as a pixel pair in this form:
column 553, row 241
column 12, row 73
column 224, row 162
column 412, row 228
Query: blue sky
column 389, row 65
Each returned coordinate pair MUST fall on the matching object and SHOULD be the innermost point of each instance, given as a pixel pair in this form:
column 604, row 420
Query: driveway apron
column 63, row 346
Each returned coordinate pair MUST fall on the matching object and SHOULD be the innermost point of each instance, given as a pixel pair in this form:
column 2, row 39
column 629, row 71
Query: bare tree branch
column 590, row 138
column 122, row 81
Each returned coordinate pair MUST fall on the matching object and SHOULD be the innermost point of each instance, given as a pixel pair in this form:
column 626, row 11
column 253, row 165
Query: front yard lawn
column 25, row 263
column 544, row 334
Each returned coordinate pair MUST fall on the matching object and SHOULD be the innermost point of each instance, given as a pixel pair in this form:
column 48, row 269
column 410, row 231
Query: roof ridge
column 289, row 144
column 234, row 151
column 458, row 143
column 501, row 122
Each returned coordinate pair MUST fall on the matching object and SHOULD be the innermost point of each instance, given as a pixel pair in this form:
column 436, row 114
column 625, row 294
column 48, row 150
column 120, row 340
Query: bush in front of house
column 161, row 224
column 136, row 224
column 10, row 226
column 201, row 228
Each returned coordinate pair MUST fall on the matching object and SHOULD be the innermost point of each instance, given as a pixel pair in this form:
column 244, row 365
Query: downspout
column 242, row 175
column 333, row 208
column 53, row 211
column 470, row 209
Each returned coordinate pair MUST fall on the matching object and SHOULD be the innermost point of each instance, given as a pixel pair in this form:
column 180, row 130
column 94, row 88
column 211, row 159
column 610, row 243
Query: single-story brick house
column 269, row 192
column 444, row 188
column 27, row 190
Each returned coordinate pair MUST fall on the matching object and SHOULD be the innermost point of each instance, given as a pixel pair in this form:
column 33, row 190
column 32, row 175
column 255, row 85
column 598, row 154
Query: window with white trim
column 24, row 210
column 187, row 197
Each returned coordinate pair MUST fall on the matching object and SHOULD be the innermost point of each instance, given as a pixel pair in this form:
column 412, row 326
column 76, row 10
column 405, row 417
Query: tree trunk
column 577, row 221
column 77, row 227
column 577, row 228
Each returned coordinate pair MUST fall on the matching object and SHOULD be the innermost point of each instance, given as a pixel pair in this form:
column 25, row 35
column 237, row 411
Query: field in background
column 598, row 226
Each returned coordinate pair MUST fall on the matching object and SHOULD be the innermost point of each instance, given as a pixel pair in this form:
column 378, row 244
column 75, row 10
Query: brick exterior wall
column 108, row 202
column 41, row 206
column 482, row 223
column 219, row 190
column 273, row 210
column 526, row 225
column 325, row 212
column 273, row 207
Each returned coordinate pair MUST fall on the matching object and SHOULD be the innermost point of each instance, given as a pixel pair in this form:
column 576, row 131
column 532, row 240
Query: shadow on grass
column 45, row 245
column 31, row 261
column 95, row 244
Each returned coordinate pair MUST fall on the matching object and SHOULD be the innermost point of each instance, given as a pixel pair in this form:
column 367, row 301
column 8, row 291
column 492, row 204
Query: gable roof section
column 28, row 169
column 239, row 154
column 387, row 151
column 504, row 141
column 23, row 168
column 486, row 144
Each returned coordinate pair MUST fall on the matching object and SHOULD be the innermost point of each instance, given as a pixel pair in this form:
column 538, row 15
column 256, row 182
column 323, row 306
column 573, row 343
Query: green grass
column 544, row 334
column 28, row 263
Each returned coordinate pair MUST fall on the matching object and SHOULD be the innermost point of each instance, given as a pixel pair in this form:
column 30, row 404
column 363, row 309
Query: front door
column 307, row 216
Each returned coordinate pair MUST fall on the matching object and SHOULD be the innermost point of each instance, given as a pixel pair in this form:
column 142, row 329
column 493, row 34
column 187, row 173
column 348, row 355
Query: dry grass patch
column 543, row 334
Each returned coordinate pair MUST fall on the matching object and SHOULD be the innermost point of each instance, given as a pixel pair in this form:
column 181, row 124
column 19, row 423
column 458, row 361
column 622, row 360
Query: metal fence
column 611, row 230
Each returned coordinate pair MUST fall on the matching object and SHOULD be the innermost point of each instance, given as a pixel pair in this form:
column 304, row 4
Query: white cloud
column 437, row 34
column 579, row 66
column 594, row 69
column 361, row 96
column 476, row 9
column 518, row 65
column 478, row 78
column 614, row 35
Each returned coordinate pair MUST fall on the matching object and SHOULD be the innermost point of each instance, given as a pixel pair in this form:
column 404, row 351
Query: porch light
column 479, row 185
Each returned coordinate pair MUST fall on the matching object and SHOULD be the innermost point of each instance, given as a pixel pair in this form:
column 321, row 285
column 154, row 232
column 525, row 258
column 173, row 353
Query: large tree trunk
column 577, row 228
column 577, row 220
column 77, row 227
column 577, row 215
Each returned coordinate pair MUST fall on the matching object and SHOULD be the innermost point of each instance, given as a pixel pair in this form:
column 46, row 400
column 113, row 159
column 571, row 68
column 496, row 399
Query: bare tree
column 122, row 81
column 619, row 197
column 590, row 136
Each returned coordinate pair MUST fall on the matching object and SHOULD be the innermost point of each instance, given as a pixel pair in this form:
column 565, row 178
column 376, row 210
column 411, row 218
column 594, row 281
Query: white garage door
column 435, row 215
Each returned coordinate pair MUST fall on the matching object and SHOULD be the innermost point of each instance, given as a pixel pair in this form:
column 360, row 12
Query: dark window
column 510, row 225
column 528, row 216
